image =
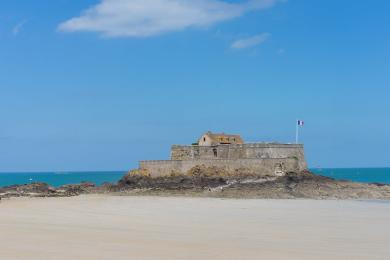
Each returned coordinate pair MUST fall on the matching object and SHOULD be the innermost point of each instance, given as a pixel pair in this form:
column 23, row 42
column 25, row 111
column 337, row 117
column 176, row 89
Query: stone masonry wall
column 235, row 152
column 261, row 167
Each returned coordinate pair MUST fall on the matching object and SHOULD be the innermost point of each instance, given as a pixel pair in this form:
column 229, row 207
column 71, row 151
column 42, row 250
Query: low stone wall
column 261, row 167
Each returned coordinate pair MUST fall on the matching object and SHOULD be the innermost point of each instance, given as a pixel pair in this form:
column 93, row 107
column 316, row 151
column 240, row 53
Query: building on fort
column 210, row 139
column 232, row 154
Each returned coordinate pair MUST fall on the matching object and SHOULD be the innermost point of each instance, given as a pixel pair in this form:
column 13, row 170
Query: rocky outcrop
column 34, row 189
column 44, row 190
column 215, row 182
column 178, row 183
column 310, row 186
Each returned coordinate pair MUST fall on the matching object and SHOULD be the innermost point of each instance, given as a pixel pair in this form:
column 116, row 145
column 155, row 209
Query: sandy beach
column 115, row 227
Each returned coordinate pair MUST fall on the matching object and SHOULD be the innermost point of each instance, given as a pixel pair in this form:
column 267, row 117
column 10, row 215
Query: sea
column 56, row 179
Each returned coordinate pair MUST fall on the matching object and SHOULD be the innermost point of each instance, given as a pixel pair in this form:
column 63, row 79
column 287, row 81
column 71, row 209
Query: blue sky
column 99, row 85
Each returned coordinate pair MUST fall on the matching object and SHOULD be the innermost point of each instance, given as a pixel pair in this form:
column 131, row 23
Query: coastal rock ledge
column 203, row 181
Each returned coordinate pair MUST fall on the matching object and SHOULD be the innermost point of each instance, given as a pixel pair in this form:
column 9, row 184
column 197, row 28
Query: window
column 204, row 139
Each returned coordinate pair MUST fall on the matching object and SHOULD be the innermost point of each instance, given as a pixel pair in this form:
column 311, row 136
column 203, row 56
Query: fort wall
column 261, row 167
column 236, row 152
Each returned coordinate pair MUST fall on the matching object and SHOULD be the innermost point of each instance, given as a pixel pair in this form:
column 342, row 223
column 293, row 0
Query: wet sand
column 113, row 227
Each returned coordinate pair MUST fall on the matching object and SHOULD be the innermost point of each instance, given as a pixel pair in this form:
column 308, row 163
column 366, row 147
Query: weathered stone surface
column 260, row 167
column 237, row 151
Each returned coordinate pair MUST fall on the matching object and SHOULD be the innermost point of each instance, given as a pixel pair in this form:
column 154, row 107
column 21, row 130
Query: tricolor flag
column 301, row 123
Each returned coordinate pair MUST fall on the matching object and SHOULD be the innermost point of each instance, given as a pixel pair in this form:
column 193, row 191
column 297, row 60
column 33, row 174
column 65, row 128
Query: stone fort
column 232, row 154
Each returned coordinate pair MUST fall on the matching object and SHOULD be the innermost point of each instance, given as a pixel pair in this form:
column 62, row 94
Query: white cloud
column 250, row 42
column 143, row 18
column 17, row 28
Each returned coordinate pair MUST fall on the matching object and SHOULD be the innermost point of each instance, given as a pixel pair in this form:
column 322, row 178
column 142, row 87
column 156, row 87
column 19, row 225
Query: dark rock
column 379, row 184
column 76, row 189
column 177, row 182
column 42, row 188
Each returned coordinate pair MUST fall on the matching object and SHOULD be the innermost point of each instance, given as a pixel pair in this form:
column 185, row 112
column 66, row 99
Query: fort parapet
column 263, row 159
column 237, row 151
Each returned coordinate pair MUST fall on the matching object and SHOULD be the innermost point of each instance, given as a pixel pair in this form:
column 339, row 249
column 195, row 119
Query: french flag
column 301, row 123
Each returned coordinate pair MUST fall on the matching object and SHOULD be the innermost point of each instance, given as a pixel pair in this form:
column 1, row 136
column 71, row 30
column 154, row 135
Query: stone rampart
column 244, row 151
column 261, row 167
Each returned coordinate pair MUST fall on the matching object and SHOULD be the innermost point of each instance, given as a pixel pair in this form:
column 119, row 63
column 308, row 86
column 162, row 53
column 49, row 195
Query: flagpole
column 296, row 131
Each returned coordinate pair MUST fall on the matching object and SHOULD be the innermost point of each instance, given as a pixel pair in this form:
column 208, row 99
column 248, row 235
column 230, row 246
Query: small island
column 220, row 165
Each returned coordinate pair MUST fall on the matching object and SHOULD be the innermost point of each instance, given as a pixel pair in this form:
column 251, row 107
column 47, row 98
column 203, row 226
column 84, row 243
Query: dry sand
column 113, row 227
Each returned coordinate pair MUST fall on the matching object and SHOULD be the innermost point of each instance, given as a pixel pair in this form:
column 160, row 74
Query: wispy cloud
column 18, row 27
column 144, row 18
column 250, row 42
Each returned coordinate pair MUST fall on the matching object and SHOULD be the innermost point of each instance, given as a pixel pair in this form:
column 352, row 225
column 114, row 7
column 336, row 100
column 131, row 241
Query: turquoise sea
column 368, row 175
